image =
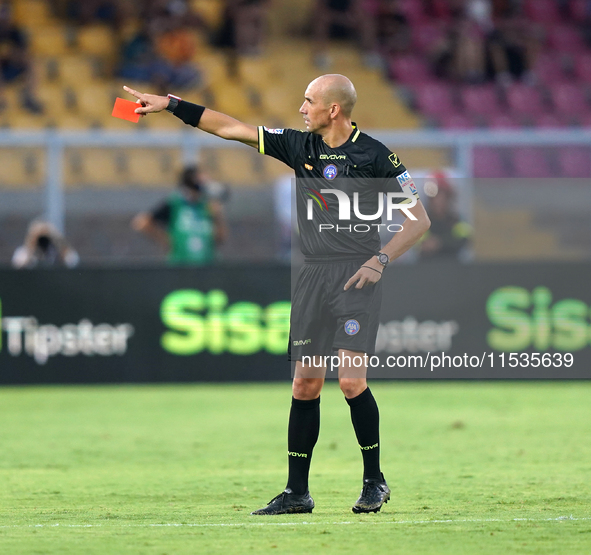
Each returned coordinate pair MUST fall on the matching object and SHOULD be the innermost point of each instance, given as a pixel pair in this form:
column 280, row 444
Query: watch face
column 383, row 258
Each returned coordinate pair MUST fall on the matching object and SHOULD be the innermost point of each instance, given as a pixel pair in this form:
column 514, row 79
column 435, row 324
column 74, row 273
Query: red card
column 125, row 109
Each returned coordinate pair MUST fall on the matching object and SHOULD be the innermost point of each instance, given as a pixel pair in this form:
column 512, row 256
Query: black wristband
column 189, row 113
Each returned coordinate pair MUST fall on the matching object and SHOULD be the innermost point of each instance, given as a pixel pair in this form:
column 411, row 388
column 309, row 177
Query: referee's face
column 315, row 111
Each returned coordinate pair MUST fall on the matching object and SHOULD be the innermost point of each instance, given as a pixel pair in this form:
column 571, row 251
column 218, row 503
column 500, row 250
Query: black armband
column 188, row 112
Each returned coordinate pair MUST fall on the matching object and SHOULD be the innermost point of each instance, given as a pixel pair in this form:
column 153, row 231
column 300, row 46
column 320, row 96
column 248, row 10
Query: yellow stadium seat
column 234, row 166
column 75, row 70
column 98, row 40
column 210, row 10
column 95, row 101
column 53, row 99
column 49, row 41
column 21, row 168
column 32, row 13
column 152, row 167
column 230, row 98
column 92, row 166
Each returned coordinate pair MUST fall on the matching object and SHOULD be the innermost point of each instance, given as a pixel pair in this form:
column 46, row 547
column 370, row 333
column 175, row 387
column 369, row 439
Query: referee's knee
column 306, row 389
column 352, row 387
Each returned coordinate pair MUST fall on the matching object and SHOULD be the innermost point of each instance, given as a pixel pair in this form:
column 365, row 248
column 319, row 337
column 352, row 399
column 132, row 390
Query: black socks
column 302, row 434
column 366, row 421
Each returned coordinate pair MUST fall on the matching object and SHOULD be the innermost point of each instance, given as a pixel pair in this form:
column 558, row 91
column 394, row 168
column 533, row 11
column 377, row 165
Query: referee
column 337, row 298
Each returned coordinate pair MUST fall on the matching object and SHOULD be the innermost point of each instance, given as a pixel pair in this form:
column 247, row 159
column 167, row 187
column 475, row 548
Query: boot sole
column 358, row 510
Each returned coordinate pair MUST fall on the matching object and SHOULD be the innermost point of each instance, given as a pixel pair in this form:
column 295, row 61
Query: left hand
column 368, row 274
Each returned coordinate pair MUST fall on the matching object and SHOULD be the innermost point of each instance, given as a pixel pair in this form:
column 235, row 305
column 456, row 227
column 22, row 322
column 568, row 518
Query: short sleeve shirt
column 362, row 168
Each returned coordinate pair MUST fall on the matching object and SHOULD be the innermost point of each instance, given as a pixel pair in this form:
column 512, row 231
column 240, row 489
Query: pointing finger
column 133, row 92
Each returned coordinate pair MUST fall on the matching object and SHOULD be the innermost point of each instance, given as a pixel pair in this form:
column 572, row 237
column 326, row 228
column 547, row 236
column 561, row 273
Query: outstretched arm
column 211, row 121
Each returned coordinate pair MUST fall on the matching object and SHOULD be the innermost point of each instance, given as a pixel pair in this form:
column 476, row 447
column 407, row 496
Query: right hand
column 149, row 102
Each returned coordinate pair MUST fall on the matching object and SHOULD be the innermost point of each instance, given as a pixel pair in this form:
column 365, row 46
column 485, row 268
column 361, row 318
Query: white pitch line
column 301, row 523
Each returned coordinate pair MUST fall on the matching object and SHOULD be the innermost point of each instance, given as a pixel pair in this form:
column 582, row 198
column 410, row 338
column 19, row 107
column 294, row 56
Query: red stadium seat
column 441, row 9
column 575, row 162
column 531, row 162
column 502, row 121
column 410, row 69
column 578, row 10
column 548, row 68
column 542, row 11
column 549, row 121
column 481, row 99
column 489, row 163
column 569, row 99
column 436, row 99
column 427, row 35
column 456, row 121
column 525, row 100
column 565, row 38
column 583, row 67
column 414, row 11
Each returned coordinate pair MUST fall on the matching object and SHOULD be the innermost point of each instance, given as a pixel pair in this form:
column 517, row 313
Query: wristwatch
column 383, row 259
column 173, row 102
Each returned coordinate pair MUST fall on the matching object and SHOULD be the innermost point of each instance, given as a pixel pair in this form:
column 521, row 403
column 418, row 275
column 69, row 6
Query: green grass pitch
column 473, row 467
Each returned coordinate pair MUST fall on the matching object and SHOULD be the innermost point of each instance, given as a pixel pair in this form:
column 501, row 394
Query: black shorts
column 325, row 317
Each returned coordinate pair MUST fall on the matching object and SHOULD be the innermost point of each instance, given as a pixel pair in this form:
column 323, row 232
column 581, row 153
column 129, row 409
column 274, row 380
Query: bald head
column 336, row 89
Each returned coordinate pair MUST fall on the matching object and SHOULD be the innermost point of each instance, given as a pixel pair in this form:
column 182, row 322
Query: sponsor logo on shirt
column 352, row 327
column 330, row 172
column 308, row 167
column 273, row 131
column 333, row 157
column 406, row 182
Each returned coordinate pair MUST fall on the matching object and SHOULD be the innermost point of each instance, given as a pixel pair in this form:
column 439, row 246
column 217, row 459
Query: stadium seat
column 482, row 99
column 569, row 99
column 548, row 68
column 22, row 168
column 410, row 70
column 530, row 162
column 524, row 100
column 488, row 163
column 435, row 99
column 582, row 66
column 542, row 11
column 75, row 69
column 549, row 121
column 50, row 41
column 565, row 38
column 456, row 121
column 575, row 162
column 441, row 9
column 426, row 35
column 578, row 10
column 502, row 121
column 414, row 11
column 97, row 40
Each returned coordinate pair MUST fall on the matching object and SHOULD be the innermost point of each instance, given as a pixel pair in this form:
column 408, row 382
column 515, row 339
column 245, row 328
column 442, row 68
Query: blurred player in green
column 187, row 223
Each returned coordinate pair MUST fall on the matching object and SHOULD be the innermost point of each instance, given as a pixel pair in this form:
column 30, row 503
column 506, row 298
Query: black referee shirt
column 362, row 165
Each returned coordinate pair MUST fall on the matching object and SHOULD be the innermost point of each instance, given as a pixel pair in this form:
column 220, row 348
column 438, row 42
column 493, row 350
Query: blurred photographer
column 44, row 246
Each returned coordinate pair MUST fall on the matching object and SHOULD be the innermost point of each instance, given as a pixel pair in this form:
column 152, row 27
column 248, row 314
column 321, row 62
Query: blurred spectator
column 187, row 224
column 243, row 26
column 448, row 235
column 162, row 53
column 15, row 61
column 44, row 246
column 513, row 47
column 86, row 12
column 345, row 19
column 393, row 29
column 461, row 56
